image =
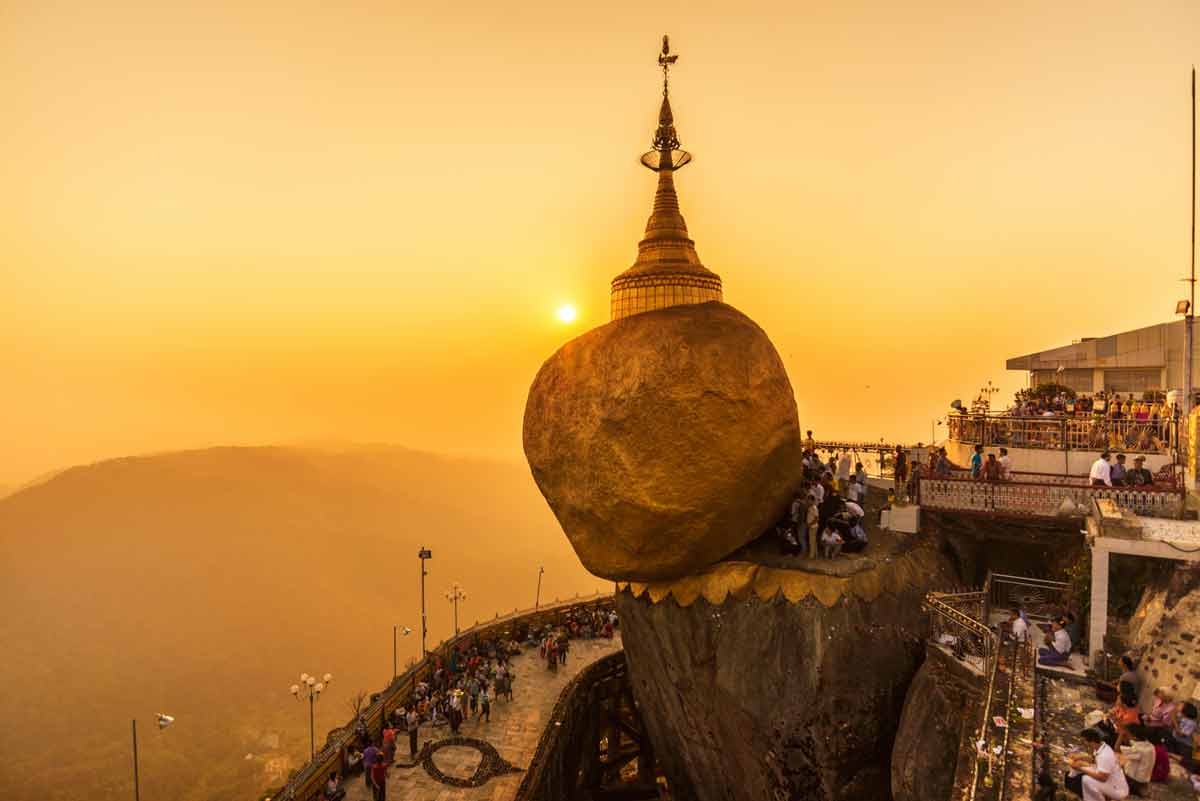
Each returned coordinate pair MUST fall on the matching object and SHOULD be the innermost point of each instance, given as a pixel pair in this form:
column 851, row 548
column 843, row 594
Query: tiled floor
column 514, row 730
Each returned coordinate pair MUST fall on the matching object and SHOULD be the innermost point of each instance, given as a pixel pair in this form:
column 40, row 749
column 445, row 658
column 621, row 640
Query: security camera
column 164, row 720
column 406, row 631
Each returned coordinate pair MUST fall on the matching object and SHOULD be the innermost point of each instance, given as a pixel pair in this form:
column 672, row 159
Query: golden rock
column 664, row 441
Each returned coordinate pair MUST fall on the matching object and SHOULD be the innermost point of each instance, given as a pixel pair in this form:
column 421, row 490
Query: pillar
column 1098, row 617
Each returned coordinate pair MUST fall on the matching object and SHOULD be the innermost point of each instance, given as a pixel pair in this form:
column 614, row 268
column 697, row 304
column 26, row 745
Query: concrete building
column 1133, row 361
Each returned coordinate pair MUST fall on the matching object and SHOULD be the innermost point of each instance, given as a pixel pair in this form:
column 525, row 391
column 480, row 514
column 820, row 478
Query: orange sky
column 235, row 224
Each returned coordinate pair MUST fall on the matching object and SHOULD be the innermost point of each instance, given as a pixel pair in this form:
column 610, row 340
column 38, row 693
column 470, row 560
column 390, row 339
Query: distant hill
column 201, row 583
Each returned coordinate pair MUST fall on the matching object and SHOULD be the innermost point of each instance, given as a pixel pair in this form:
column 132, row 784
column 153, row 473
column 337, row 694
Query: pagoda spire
column 667, row 271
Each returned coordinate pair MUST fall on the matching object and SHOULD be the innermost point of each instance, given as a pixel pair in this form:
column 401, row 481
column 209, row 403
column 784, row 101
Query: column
column 1098, row 618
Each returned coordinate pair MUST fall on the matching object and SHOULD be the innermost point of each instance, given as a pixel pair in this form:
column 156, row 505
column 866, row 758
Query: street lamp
column 537, row 598
column 454, row 595
column 423, row 553
column 405, row 630
column 310, row 688
column 163, row 720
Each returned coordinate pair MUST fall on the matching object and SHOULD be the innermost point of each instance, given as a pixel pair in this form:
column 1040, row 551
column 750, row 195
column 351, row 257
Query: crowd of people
column 462, row 687
column 1063, row 420
column 828, row 509
column 1124, row 746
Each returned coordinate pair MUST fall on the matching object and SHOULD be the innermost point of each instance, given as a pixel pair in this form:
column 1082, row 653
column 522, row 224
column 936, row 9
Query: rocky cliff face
column 942, row 700
column 1163, row 633
column 759, row 683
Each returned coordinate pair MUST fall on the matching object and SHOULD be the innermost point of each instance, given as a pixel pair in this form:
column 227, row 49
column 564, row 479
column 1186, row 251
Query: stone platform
column 514, row 731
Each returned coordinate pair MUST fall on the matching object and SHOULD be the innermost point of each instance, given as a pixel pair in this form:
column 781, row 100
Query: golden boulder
column 664, row 441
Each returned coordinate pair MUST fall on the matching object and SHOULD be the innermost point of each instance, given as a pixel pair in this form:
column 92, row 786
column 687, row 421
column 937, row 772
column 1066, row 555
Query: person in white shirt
column 1005, row 465
column 1102, row 778
column 1060, row 652
column 831, row 543
column 1101, row 473
column 855, row 491
column 1020, row 628
column 843, row 469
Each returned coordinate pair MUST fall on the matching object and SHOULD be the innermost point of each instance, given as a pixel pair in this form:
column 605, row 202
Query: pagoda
column 667, row 271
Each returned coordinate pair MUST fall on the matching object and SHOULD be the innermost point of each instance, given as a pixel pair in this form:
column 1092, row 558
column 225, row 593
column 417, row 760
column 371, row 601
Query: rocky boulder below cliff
column 760, row 683
column 928, row 739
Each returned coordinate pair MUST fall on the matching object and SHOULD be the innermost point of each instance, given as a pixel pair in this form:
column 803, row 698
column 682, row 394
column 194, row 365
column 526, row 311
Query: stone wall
column 1165, row 634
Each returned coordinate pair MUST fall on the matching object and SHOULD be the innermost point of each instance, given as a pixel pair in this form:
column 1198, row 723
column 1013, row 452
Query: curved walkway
column 514, row 731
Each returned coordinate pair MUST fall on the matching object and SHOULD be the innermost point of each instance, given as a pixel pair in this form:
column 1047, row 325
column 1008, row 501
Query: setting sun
column 566, row 313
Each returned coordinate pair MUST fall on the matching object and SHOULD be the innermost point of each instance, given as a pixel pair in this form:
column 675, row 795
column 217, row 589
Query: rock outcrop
column 1163, row 633
column 759, row 683
column 665, row 440
column 937, row 711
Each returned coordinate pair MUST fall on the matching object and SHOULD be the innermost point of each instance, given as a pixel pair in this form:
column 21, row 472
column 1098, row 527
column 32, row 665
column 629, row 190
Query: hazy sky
column 240, row 223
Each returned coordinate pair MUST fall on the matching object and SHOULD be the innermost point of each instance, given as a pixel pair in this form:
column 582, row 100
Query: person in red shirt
column 379, row 780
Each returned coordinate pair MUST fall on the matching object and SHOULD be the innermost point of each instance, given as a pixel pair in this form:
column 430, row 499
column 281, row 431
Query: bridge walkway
column 514, row 731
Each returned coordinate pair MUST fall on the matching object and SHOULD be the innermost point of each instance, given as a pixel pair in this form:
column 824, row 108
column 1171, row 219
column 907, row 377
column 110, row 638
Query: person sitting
column 333, row 788
column 831, row 543
column 1098, row 776
column 1183, row 734
column 942, row 467
column 1059, row 652
column 1129, row 676
column 1157, row 724
column 855, row 535
column 1117, row 471
column 1121, row 717
column 991, row 468
column 1020, row 626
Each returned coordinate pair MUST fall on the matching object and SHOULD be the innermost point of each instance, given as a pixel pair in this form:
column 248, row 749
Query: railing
column 1065, row 433
column 594, row 732
column 1040, row 499
column 1042, row 599
column 965, row 635
column 307, row 783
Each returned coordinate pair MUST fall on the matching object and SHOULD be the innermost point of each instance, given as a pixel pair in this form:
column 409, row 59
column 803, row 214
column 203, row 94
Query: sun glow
column 566, row 313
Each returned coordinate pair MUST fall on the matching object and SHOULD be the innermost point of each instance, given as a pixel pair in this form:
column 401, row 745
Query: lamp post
column 423, row 553
column 311, row 689
column 163, row 720
column 405, row 630
column 454, row 595
column 537, row 598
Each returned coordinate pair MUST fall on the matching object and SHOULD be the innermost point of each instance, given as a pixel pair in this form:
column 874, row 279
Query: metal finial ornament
column 666, row 154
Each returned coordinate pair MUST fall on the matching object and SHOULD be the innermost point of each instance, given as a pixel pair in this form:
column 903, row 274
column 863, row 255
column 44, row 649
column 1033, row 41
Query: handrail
column 305, row 782
column 982, row 731
column 1033, row 499
column 1147, row 488
column 1066, row 432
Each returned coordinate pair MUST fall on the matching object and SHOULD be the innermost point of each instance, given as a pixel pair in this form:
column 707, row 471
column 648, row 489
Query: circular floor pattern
column 490, row 763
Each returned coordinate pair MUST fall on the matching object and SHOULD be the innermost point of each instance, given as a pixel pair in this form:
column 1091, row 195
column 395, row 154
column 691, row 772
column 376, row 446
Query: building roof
column 1141, row 347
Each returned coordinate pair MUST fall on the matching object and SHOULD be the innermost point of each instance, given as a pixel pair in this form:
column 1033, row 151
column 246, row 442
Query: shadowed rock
column 664, row 441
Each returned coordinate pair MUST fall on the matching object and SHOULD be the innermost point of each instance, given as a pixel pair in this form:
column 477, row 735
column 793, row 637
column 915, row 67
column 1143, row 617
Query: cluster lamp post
column 311, row 688
column 163, row 720
column 423, row 553
column 454, row 595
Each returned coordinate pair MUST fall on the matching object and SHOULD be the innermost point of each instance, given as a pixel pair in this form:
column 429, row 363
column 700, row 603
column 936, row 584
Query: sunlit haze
column 229, row 223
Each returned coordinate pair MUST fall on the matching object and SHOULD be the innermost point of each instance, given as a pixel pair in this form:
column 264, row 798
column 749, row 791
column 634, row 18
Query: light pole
column 537, row 598
column 311, row 689
column 163, row 721
column 396, row 630
column 423, row 553
column 454, row 595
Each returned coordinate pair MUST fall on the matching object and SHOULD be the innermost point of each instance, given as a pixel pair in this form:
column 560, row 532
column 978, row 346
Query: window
column 1131, row 380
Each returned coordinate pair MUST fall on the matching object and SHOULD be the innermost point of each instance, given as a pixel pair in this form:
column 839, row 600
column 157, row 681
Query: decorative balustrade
column 307, row 783
column 1040, row 499
column 1061, row 432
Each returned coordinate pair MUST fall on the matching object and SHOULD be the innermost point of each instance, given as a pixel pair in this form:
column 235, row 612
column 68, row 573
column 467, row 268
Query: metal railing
column 1041, row 499
column 1042, row 599
column 1065, row 433
column 960, row 630
column 307, row 783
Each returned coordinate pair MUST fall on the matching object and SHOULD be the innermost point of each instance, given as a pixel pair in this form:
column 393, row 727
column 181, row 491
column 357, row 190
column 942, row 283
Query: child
column 831, row 543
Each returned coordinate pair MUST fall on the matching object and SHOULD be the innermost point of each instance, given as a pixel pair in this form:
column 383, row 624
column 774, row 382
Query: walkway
column 514, row 731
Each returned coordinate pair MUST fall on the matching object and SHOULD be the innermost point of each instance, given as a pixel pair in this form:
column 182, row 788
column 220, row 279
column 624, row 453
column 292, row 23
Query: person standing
column 485, row 704
column 810, row 444
column 379, row 779
column 1101, row 472
column 371, row 755
column 812, row 522
column 843, row 470
column 861, row 474
column 413, row 723
column 977, row 462
column 901, row 476
column 1116, row 473
column 1005, row 465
